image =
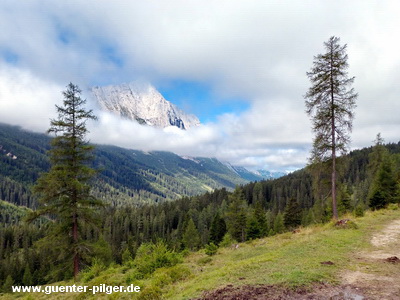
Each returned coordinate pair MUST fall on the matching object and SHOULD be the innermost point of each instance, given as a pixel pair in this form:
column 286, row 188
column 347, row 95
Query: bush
column 227, row 240
column 393, row 206
column 211, row 249
column 359, row 211
column 150, row 257
column 93, row 271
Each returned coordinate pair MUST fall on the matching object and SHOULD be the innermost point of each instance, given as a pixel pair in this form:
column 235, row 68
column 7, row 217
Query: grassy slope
column 289, row 259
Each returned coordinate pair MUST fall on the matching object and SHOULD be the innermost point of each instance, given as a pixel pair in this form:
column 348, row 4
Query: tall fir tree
column 191, row 237
column 64, row 191
column 292, row 214
column 236, row 215
column 330, row 102
column 217, row 229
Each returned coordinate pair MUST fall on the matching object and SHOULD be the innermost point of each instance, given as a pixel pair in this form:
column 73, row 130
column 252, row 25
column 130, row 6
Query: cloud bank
column 256, row 50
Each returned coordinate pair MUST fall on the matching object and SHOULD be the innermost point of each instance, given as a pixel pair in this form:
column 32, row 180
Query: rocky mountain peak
column 143, row 103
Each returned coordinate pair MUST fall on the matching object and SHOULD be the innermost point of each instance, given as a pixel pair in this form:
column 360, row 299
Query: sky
column 240, row 66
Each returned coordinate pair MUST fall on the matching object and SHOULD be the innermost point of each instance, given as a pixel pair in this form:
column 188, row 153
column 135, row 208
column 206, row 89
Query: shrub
column 359, row 211
column 150, row 257
column 211, row 249
column 227, row 240
column 93, row 271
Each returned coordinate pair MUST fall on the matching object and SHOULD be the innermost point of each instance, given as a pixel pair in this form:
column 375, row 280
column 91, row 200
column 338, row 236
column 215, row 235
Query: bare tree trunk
column 333, row 128
column 334, row 204
column 75, row 241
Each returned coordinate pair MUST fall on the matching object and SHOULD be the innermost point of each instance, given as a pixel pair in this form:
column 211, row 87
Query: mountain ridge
column 143, row 103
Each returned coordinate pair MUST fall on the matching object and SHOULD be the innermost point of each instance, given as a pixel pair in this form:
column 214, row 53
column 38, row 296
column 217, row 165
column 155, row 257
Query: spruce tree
column 292, row 215
column 191, row 238
column 27, row 279
column 279, row 225
column 217, row 229
column 236, row 215
column 330, row 103
column 8, row 283
column 64, row 191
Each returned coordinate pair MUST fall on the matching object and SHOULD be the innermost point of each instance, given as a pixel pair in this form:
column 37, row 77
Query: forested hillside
column 125, row 176
column 217, row 217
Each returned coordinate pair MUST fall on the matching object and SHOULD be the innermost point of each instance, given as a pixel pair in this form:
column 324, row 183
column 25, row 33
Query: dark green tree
column 217, row 229
column 279, row 225
column 64, row 191
column 330, row 103
column 8, row 283
column 384, row 188
column 191, row 237
column 253, row 230
column 236, row 215
column 27, row 279
column 292, row 215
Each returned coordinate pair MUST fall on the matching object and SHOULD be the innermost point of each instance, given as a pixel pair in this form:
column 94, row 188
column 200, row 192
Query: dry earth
column 377, row 271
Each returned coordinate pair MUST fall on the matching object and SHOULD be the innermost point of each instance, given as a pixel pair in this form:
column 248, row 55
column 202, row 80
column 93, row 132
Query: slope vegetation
column 316, row 261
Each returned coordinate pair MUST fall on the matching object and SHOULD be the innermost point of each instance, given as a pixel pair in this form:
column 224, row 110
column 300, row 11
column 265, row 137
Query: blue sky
column 240, row 66
column 200, row 99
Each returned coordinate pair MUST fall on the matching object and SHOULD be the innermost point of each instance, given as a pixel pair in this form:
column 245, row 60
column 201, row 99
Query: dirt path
column 375, row 275
column 377, row 271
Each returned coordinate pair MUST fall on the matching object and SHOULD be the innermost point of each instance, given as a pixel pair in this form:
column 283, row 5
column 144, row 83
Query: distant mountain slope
column 126, row 176
column 143, row 103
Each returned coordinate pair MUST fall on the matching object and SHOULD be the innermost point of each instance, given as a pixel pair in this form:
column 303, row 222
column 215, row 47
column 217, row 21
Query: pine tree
column 27, row 279
column 191, row 238
column 217, row 229
column 279, row 225
column 384, row 189
column 292, row 215
column 64, row 191
column 8, row 284
column 253, row 229
column 236, row 215
column 330, row 103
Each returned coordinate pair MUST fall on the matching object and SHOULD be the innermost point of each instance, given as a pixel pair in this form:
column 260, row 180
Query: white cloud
column 255, row 50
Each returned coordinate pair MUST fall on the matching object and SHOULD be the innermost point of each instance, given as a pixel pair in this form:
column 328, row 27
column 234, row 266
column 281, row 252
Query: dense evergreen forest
column 368, row 179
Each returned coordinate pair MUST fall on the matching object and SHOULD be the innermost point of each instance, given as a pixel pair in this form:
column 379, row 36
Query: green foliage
column 27, row 279
column 93, row 271
column 292, row 214
column 191, row 238
column 102, row 251
column 359, row 211
column 279, row 225
column 236, row 215
column 384, row 187
column 211, row 249
column 254, row 229
column 217, row 229
column 8, row 284
column 227, row 240
column 330, row 103
column 150, row 257
column 204, row 260
column 64, row 191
